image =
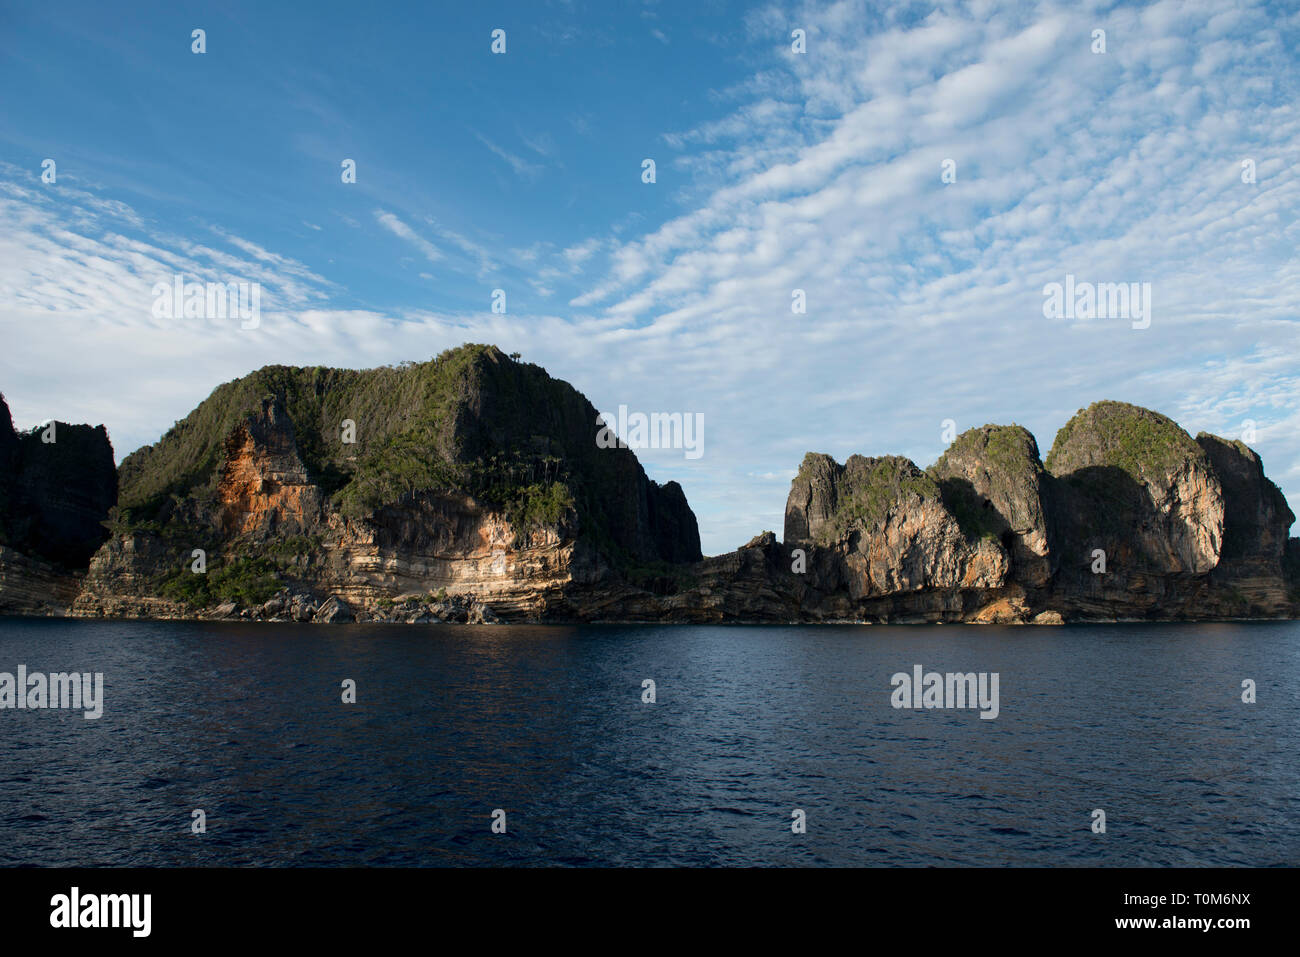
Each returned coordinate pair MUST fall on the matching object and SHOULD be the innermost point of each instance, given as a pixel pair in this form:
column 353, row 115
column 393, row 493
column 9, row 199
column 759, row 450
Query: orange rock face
column 264, row 487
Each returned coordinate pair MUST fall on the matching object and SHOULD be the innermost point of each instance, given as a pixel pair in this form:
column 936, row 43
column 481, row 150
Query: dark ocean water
column 245, row 721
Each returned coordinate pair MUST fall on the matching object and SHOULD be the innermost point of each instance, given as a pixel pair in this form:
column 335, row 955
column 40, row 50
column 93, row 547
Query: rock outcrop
column 473, row 475
column 885, row 525
column 1137, row 516
column 264, row 488
column 1130, row 518
column 1133, row 479
column 30, row 586
column 1252, row 563
column 472, row 489
column 57, row 484
column 993, row 482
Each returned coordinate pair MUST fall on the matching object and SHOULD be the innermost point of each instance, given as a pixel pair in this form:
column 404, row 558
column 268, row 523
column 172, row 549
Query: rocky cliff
column 881, row 526
column 472, row 488
column 994, row 483
column 1253, row 566
column 464, row 486
column 1138, row 511
column 1130, row 518
column 57, row 484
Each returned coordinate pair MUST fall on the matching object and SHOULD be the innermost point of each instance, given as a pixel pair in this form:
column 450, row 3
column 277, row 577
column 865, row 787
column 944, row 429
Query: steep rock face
column 472, row 489
column 884, row 522
column 504, row 406
column 811, row 504
column 758, row 583
column 1133, row 479
column 992, row 480
column 672, row 524
column 446, row 542
column 432, row 543
column 474, row 476
column 1256, row 517
column 1256, row 521
column 31, row 586
column 54, row 496
column 10, row 468
column 264, row 487
column 1291, row 573
column 122, row 581
column 8, row 451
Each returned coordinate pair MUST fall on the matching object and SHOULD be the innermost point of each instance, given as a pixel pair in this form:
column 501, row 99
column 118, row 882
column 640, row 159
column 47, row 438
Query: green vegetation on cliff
column 1144, row 444
column 974, row 518
column 1004, row 458
column 248, row 581
column 1005, row 450
column 868, row 487
column 473, row 421
column 404, row 420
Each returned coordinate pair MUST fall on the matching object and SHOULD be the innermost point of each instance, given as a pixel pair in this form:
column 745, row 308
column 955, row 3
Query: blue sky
column 776, row 171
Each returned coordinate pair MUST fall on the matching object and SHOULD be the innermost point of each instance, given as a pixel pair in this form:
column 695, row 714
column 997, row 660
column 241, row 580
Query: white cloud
column 403, row 231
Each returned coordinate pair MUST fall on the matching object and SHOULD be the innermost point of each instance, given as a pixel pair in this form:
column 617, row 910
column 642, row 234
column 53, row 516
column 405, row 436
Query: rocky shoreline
column 475, row 492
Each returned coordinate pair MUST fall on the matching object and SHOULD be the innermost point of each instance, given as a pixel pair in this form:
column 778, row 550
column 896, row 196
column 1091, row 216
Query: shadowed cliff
column 57, row 483
column 472, row 488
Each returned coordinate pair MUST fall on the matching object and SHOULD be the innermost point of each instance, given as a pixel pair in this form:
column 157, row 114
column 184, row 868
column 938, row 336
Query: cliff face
column 1130, row 518
column 506, row 406
column 1137, row 514
column 467, row 484
column 1132, row 479
column 31, row 586
column 471, row 488
column 57, row 484
column 1253, row 561
column 886, row 529
column 264, row 488
column 994, row 483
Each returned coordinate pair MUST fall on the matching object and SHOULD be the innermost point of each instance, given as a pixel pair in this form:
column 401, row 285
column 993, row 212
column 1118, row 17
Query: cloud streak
column 402, row 231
